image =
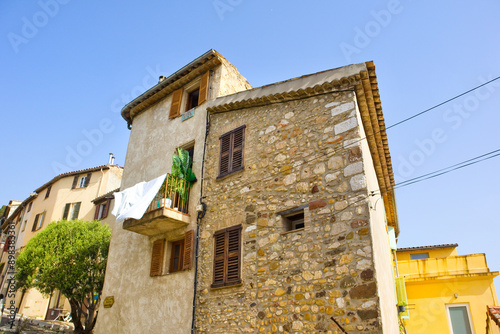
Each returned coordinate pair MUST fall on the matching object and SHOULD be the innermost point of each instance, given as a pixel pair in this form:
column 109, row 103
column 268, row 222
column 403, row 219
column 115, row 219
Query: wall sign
column 187, row 114
column 108, row 301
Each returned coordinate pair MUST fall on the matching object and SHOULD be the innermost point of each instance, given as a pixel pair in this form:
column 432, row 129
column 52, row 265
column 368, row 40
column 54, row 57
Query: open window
column 81, row 181
column 179, row 254
column 193, row 94
column 292, row 219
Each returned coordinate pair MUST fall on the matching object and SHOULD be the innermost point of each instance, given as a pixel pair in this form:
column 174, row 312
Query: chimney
column 111, row 159
column 161, row 78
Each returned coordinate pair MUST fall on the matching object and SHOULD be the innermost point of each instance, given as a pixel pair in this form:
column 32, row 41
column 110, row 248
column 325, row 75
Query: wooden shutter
column 76, row 211
column 237, row 156
column 188, row 249
column 75, row 182
column 35, row 223
column 233, row 255
column 106, row 208
column 157, row 258
column 219, row 258
column 175, row 107
column 203, row 88
column 227, row 257
column 97, row 209
column 6, row 245
column 225, row 153
column 87, row 180
column 66, row 211
column 231, row 151
column 48, row 191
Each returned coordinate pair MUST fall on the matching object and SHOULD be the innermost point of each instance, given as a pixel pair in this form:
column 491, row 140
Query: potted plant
column 182, row 176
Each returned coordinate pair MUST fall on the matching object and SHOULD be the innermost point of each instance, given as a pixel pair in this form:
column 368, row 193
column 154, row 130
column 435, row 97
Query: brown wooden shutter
column 48, row 191
column 66, row 211
column 157, row 258
column 237, row 156
column 225, row 152
column 233, row 255
column 6, row 245
column 175, row 107
column 188, row 249
column 106, row 208
column 203, row 88
column 97, row 209
column 219, row 258
column 87, row 180
column 35, row 223
column 75, row 182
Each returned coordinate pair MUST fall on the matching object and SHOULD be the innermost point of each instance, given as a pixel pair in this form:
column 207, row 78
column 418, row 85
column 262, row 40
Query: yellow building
column 83, row 194
column 447, row 292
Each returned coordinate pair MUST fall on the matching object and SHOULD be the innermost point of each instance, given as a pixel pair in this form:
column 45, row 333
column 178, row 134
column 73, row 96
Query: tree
column 69, row 256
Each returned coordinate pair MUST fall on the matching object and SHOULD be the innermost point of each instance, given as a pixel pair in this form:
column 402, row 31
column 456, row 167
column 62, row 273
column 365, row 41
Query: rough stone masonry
column 301, row 153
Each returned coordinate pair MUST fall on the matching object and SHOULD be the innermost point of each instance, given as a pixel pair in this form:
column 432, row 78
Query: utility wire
column 368, row 136
column 440, row 104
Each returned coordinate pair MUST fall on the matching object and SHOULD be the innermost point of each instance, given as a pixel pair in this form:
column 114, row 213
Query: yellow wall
column 431, row 284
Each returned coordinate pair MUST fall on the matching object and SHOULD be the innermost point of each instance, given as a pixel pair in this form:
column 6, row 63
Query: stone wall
column 304, row 152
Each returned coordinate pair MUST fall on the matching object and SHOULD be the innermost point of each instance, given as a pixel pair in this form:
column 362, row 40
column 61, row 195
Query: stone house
column 67, row 196
column 289, row 216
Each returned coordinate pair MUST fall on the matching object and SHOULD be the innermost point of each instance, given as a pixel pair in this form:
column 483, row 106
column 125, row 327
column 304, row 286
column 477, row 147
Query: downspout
column 200, row 216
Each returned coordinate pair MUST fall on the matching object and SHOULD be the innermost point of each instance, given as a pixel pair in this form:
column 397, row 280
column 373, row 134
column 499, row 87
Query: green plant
column 69, row 256
column 181, row 166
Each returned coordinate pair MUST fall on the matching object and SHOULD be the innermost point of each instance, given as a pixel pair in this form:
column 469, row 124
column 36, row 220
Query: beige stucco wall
column 161, row 304
column 382, row 257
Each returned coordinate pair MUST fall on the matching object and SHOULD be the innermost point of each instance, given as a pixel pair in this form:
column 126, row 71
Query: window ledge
column 230, row 174
column 293, row 231
column 232, row 285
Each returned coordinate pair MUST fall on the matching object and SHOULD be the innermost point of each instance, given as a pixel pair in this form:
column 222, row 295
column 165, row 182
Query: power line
column 368, row 136
column 440, row 104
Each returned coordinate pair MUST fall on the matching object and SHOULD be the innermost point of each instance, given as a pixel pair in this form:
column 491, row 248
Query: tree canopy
column 69, row 256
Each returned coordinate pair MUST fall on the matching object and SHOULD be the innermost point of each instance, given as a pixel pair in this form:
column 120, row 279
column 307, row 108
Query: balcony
column 168, row 210
column 443, row 268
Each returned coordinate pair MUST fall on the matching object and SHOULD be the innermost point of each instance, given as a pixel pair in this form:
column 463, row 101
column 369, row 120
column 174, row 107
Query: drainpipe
column 200, row 216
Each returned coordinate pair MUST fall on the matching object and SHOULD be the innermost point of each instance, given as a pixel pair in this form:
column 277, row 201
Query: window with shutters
column 38, row 223
column 179, row 253
column 102, row 209
column 190, row 96
column 227, row 257
column 81, row 181
column 29, row 207
column 71, row 211
column 47, row 193
column 231, row 151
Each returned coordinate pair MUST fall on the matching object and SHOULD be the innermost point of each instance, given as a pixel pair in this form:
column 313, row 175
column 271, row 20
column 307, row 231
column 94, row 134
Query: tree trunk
column 75, row 315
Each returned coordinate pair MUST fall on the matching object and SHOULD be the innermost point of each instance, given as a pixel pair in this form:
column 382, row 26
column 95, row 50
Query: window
column 81, row 181
column 419, row 256
column 71, row 210
column 459, row 319
column 24, row 225
column 227, row 257
column 29, row 206
column 231, row 151
column 38, row 223
column 102, row 209
column 194, row 97
column 48, row 191
column 181, row 255
column 294, row 222
column 176, row 256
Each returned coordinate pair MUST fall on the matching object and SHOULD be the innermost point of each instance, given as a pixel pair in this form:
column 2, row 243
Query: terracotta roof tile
column 427, row 247
column 494, row 312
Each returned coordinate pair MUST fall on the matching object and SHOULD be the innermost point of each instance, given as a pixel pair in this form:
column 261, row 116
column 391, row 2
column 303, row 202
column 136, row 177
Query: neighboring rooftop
column 406, row 249
column 494, row 313
column 105, row 196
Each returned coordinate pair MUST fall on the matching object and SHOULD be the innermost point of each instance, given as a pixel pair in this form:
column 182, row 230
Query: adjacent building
column 447, row 292
column 67, row 196
column 286, row 227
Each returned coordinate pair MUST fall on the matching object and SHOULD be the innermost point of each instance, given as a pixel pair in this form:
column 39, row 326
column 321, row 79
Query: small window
column 181, row 255
column 231, row 151
column 38, row 223
column 29, row 206
column 48, row 191
column 294, row 221
column 459, row 318
column 419, row 256
column 102, row 209
column 193, row 99
column 24, row 225
column 227, row 257
column 83, row 180
column 71, row 211
column 176, row 256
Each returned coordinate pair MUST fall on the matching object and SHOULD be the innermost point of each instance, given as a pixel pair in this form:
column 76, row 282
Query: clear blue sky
column 68, row 67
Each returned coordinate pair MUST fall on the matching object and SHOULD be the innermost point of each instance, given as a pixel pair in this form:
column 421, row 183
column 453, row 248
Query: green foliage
column 181, row 165
column 69, row 256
